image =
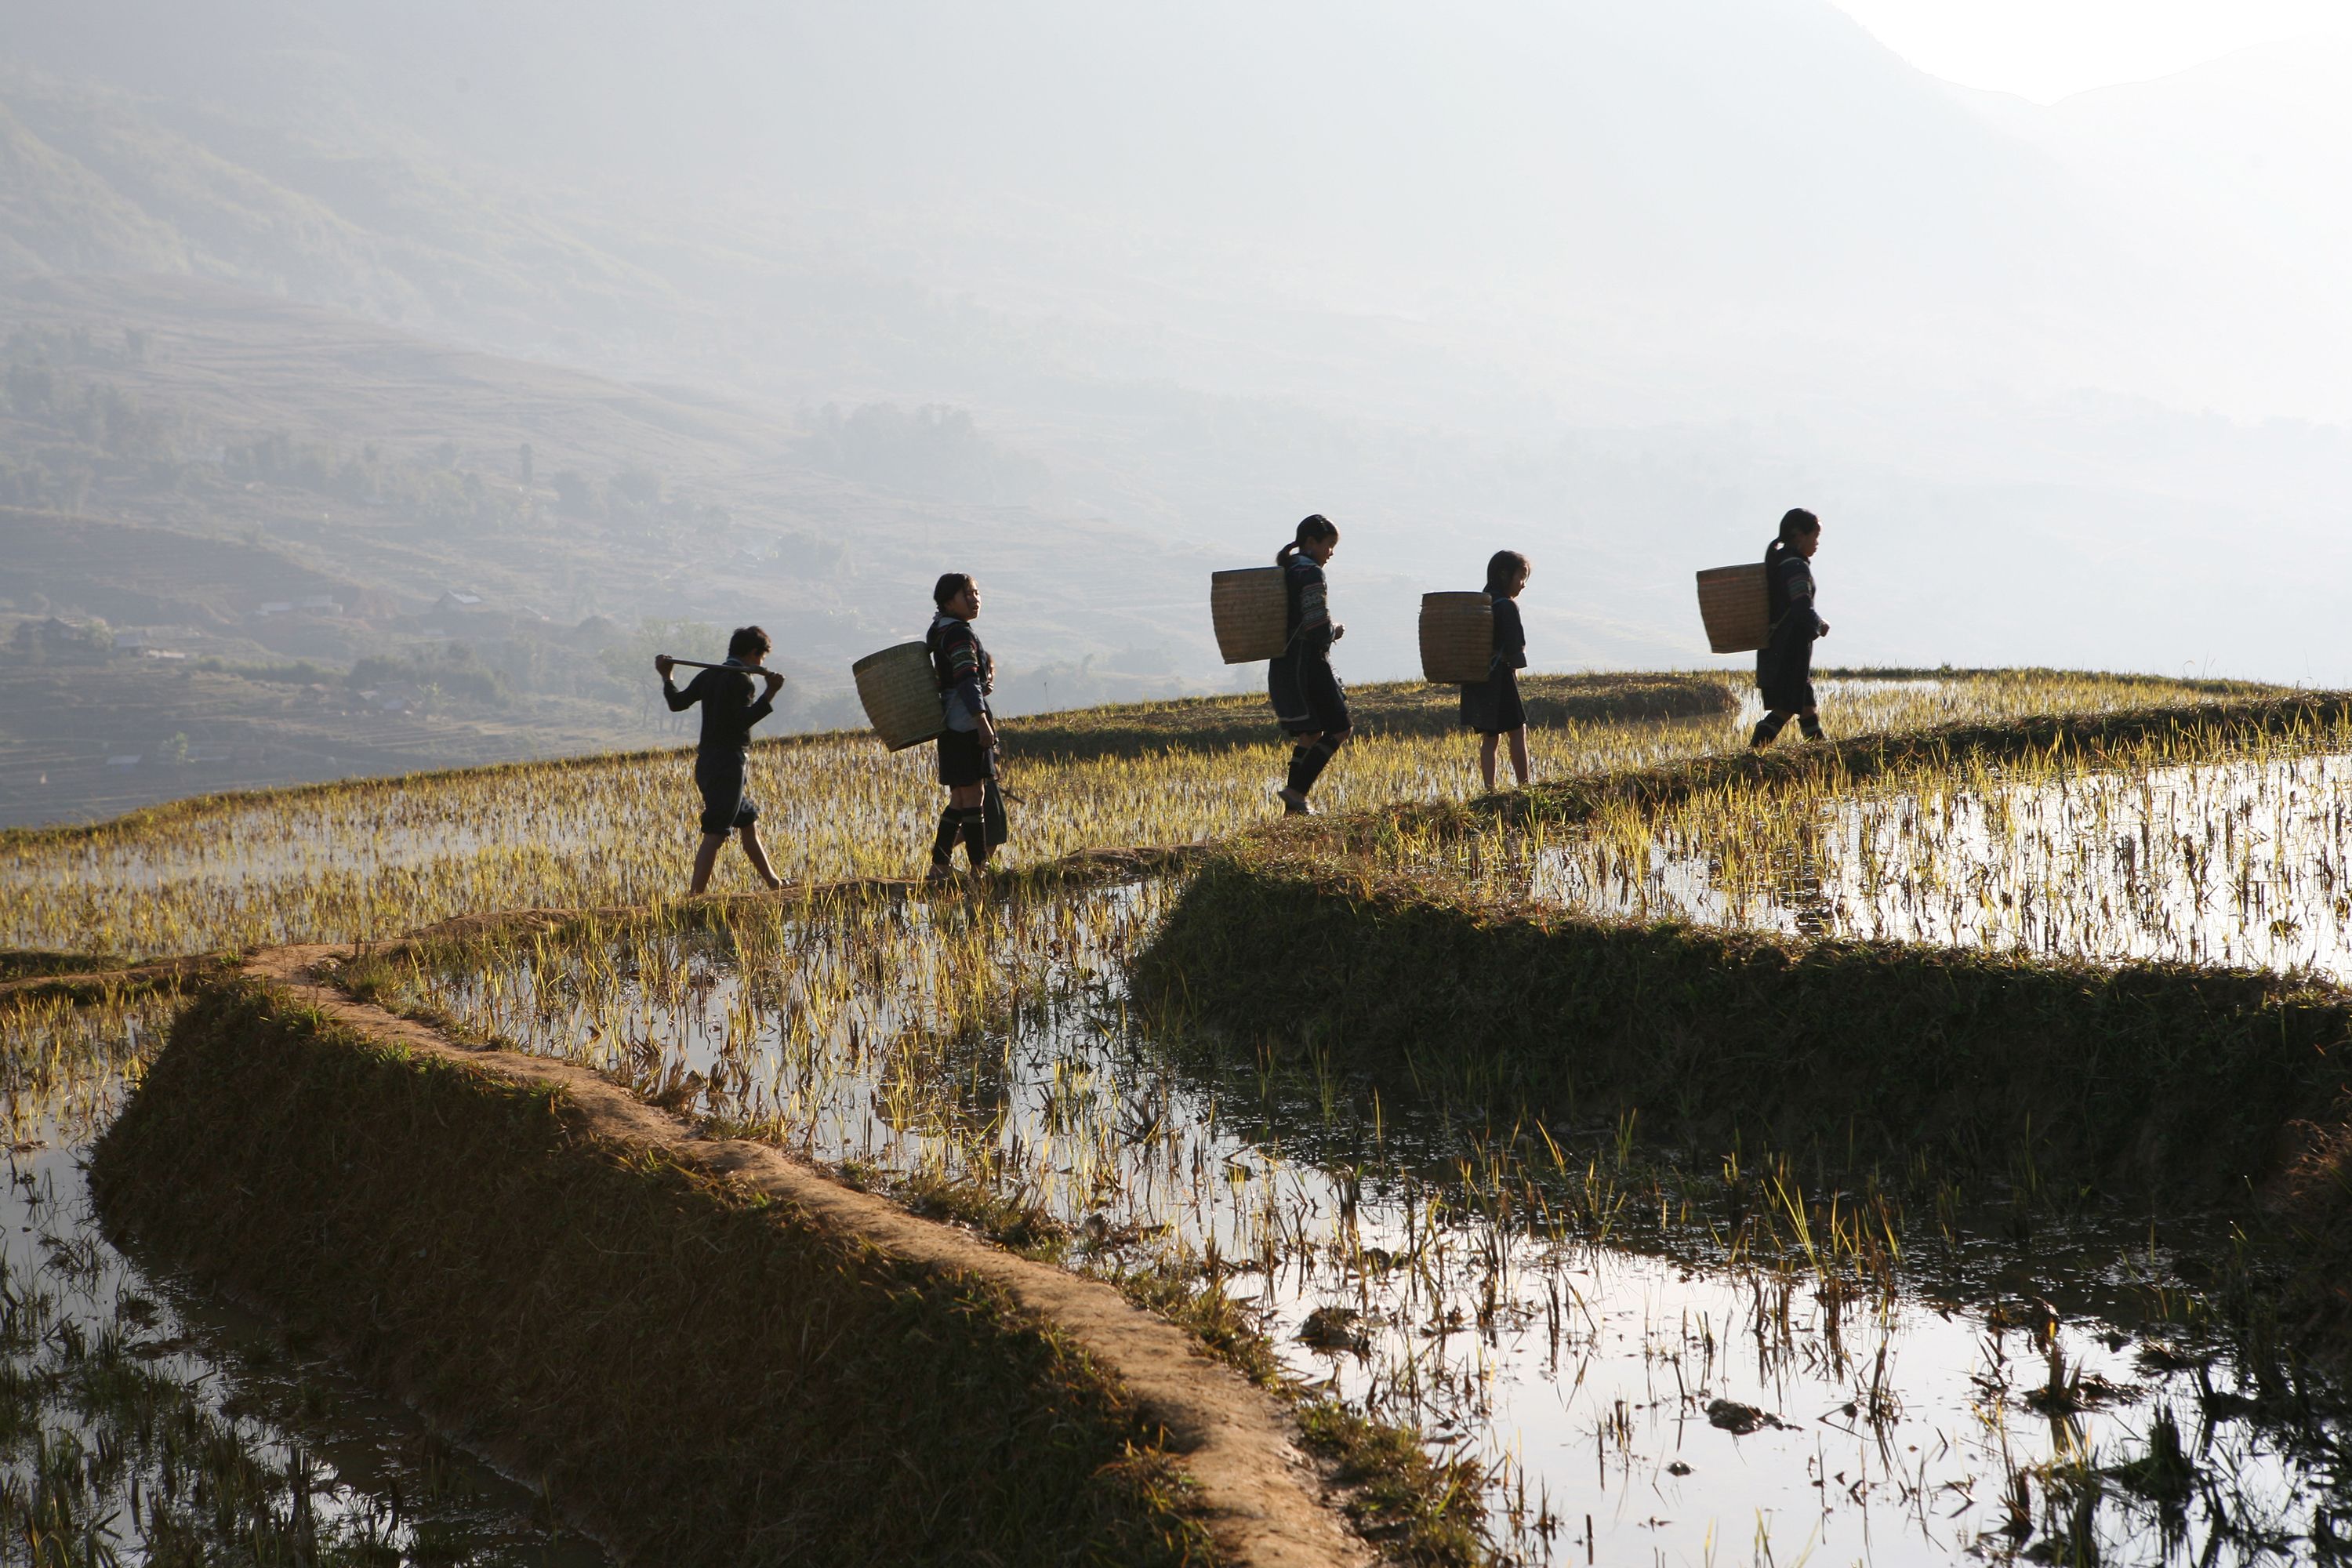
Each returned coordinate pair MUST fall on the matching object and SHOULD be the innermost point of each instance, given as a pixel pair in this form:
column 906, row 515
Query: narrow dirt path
column 1265, row 1503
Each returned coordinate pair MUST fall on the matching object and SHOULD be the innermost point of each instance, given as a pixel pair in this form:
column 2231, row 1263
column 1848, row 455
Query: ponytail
column 1795, row 523
column 1313, row 527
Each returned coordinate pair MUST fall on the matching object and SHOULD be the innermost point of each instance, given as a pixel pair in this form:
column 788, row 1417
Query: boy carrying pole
column 728, row 711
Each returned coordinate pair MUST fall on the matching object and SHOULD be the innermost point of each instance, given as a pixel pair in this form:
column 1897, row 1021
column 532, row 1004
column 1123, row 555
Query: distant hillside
column 233, row 450
column 95, row 180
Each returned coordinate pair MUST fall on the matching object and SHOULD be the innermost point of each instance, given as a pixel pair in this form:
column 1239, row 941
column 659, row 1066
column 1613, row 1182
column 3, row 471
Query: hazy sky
column 2046, row 49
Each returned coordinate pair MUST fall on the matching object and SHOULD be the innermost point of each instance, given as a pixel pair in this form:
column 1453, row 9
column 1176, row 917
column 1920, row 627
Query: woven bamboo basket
column 901, row 694
column 1735, row 606
column 1251, row 612
column 1458, row 638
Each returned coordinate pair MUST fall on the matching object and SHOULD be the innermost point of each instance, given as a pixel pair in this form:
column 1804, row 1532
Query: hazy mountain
column 1612, row 283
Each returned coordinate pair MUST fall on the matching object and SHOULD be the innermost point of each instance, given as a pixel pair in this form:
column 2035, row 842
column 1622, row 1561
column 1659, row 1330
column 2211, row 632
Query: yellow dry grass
column 373, row 858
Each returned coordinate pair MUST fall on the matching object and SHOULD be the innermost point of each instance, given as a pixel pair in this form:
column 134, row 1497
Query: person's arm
column 1510, row 636
column 959, row 656
column 1800, row 597
column 766, row 702
column 679, row 701
column 1315, row 612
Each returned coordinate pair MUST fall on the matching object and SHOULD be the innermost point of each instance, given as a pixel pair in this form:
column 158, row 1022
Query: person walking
column 1784, row 665
column 729, row 712
column 1308, row 700
column 1491, row 707
column 966, row 675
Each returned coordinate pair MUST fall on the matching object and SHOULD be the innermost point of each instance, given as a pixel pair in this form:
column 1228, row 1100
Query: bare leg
column 705, row 858
column 1518, row 758
column 749, row 835
column 1486, row 759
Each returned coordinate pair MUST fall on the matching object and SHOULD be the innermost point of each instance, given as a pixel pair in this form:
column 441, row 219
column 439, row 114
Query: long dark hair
column 1795, row 523
column 1502, row 568
column 1314, row 526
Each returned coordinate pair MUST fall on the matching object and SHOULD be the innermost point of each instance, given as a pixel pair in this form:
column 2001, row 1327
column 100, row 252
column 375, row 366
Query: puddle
column 141, row 1422
column 1643, row 1382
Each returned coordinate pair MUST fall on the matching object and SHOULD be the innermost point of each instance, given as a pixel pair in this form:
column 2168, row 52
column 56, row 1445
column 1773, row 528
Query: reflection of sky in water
column 318, row 836
column 2242, row 863
column 374, row 1476
column 1584, row 1372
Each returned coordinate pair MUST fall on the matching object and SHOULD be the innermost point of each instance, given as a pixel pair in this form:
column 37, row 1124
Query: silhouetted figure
column 1492, row 707
column 1784, row 665
column 728, row 711
column 1308, row 700
column 968, row 746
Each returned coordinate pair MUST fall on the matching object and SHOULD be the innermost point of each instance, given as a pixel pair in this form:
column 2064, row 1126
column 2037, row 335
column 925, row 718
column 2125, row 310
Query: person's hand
column 1824, row 631
column 665, row 664
column 775, row 682
column 987, row 734
column 1338, row 632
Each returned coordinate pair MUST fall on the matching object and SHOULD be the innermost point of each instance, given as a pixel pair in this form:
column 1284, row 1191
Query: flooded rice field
column 2237, row 863
column 1649, row 1363
column 373, row 858
column 142, row 1421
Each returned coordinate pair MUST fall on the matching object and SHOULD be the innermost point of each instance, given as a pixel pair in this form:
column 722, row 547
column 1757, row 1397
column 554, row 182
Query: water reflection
column 2240, row 864
column 1642, row 1378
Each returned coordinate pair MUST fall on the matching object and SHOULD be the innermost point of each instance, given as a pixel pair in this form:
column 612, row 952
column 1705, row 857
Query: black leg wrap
column 943, row 842
column 975, row 836
column 1768, row 727
column 1809, row 725
column 1307, row 763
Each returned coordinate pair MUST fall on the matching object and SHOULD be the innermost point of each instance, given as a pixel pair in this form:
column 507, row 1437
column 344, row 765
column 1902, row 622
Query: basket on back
column 900, row 695
column 1735, row 606
column 1251, row 612
column 1458, row 638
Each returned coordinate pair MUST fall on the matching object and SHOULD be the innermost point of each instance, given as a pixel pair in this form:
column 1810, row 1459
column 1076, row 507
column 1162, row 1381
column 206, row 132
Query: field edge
column 705, row 1351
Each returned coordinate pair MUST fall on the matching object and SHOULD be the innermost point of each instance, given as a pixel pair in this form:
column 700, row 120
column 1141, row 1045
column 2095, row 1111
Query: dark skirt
column 1492, row 706
column 1307, row 697
column 1784, row 666
column 963, row 760
column 720, row 776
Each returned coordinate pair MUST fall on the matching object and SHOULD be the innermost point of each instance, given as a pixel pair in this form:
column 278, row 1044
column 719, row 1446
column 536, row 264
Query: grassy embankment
column 2180, row 1084
column 708, row 1376
column 2049, row 743
column 366, row 858
column 1388, row 709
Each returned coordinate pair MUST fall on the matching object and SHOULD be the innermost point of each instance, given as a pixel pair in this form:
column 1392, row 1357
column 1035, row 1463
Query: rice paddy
column 1635, row 1371
column 2238, row 860
column 1643, row 1357
column 376, row 857
column 143, row 1423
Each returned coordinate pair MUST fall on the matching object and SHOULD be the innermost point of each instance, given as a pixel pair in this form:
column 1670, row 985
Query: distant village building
column 321, row 603
column 456, row 600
